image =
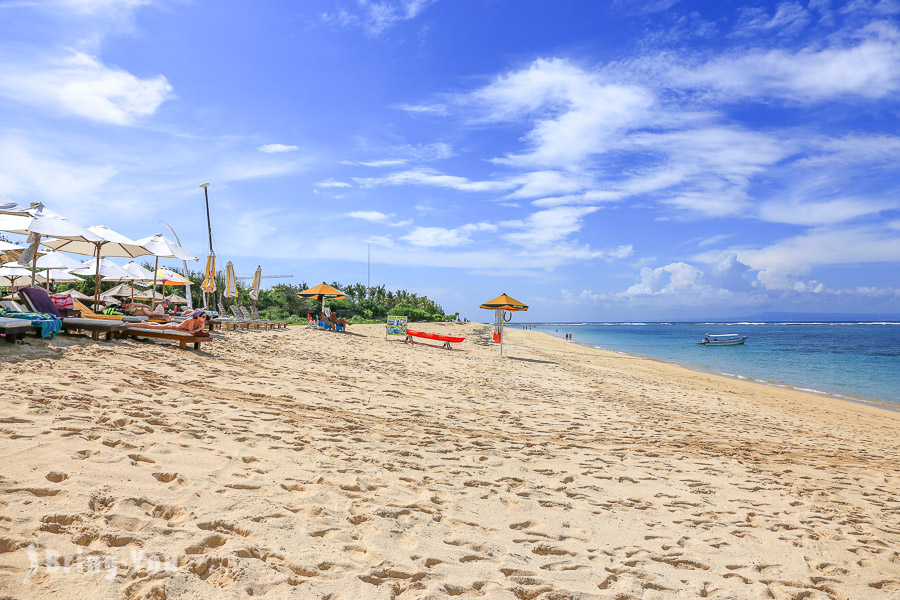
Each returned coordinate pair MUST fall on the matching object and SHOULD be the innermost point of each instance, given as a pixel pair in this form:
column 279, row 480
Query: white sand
column 307, row 464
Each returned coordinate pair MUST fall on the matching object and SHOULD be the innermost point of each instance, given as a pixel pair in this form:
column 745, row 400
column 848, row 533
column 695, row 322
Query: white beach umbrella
column 41, row 222
column 11, row 208
column 109, row 243
column 11, row 273
column 138, row 273
column 162, row 247
column 56, row 261
column 106, row 269
column 75, row 294
column 9, row 252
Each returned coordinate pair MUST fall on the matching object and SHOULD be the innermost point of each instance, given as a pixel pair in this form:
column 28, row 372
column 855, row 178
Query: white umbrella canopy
column 9, row 252
column 60, row 275
column 9, row 207
column 11, row 273
column 106, row 268
column 162, row 247
column 110, row 243
column 106, row 243
column 57, row 260
column 43, row 222
column 137, row 272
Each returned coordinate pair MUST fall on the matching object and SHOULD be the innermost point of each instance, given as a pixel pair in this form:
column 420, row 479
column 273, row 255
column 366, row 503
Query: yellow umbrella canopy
column 322, row 291
column 504, row 302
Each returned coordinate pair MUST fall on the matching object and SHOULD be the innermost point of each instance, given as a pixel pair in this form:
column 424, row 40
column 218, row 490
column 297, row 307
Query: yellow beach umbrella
column 322, row 291
column 169, row 277
column 230, row 281
column 500, row 305
column 257, row 279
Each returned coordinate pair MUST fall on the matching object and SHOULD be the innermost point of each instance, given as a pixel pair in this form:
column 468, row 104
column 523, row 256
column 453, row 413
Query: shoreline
column 864, row 400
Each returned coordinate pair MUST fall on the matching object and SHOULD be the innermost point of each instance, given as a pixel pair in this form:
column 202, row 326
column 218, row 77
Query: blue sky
column 598, row 160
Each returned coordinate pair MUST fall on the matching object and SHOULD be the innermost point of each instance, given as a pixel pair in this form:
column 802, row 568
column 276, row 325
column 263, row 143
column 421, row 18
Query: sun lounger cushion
column 14, row 328
column 40, row 301
column 48, row 325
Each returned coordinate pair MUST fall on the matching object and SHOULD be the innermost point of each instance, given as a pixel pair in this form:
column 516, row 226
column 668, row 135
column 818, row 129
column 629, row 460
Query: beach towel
column 47, row 324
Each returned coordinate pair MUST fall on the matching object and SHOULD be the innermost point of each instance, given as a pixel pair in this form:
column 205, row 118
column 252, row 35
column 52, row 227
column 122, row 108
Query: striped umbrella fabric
column 209, row 284
column 230, row 281
column 257, row 279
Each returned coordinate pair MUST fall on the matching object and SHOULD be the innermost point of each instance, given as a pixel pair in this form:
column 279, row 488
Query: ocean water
column 859, row 361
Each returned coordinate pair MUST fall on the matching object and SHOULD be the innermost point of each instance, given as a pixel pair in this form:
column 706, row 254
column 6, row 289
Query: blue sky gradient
column 598, row 160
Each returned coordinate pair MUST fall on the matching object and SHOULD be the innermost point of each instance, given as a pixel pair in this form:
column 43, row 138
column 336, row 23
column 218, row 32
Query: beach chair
column 247, row 322
column 182, row 337
column 228, row 322
column 272, row 323
column 38, row 300
column 310, row 322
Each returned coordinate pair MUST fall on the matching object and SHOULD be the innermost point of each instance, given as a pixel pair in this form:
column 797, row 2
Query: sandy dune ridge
column 307, row 464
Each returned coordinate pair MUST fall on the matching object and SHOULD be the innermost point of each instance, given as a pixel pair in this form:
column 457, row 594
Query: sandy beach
column 308, row 464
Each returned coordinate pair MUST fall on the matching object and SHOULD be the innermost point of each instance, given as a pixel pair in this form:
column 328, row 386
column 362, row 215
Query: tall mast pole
column 205, row 187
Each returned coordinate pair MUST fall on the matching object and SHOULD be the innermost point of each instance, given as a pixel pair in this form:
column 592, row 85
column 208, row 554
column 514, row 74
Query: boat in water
column 723, row 339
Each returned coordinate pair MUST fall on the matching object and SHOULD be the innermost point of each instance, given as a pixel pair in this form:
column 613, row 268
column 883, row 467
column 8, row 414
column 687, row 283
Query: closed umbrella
column 38, row 222
column 230, row 281
column 209, row 283
column 321, row 292
column 257, row 279
column 109, row 243
column 500, row 305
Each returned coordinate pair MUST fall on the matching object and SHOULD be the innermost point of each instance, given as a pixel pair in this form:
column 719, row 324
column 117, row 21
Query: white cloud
column 81, row 85
column 434, row 178
column 822, row 212
column 575, row 112
column 546, row 227
column 377, row 16
column 433, row 109
column 277, row 148
column 331, row 183
column 674, row 278
column 430, row 237
column 867, row 66
column 369, row 215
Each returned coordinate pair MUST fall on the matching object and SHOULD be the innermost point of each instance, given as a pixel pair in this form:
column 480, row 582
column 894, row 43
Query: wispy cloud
column 81, row 85
column 376, row 16
column 277, row 148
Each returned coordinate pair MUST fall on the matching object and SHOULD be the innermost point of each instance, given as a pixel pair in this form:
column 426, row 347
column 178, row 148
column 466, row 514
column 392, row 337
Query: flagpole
column 205, row 187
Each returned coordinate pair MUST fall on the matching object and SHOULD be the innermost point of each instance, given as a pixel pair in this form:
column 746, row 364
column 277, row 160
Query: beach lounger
column 38, row 301
column 14, row 329
column 272, row 323
column 225, row 321
column 247, row 322
column 182, row 337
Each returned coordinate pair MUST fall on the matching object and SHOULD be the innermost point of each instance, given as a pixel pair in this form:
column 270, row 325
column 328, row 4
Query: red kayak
column 435, row 336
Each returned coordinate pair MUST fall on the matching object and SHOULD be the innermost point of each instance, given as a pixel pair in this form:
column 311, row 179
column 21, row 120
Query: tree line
column 280, row 302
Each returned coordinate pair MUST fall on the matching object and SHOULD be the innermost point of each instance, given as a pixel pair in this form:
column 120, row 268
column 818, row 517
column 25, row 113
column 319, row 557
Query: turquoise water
column 852, row 360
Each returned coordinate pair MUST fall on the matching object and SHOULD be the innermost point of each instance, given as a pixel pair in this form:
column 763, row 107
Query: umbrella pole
column 155, row 269
column 97, row 280
column 37, row 243
column 501, row 331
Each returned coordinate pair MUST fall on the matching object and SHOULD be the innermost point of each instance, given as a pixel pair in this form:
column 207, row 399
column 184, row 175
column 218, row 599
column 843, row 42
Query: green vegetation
column 280, row 302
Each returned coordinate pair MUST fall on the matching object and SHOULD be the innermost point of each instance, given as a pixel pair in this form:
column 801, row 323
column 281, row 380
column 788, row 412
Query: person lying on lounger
column 139, row 310
column 194, row 324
